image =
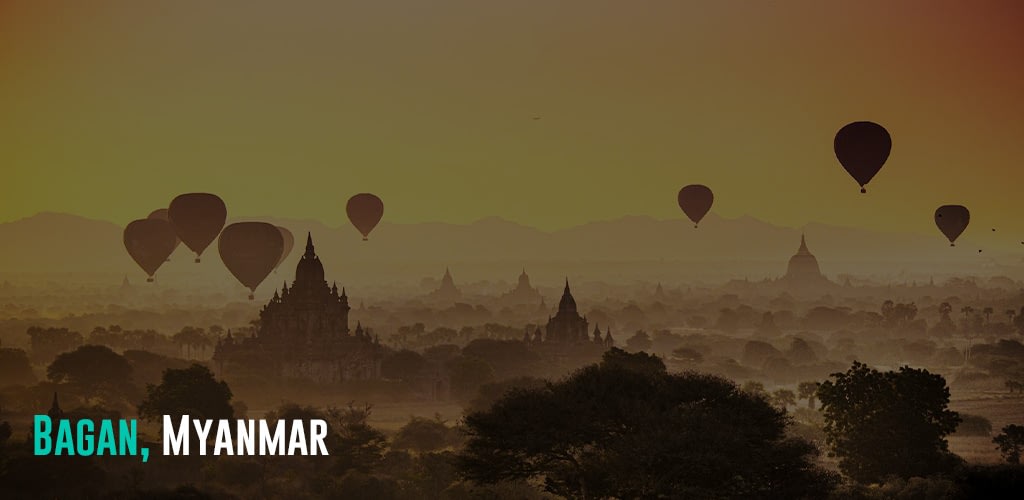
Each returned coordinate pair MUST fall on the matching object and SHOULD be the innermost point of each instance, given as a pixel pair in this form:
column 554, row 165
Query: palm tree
column 988, row 313
column 967, row 310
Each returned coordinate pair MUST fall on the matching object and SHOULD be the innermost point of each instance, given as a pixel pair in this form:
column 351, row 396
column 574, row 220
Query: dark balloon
column 952, row 220
column 161, row 213
column 289, row 243
column 149, row 242
column 364, row 211
column 695, row 200
column 198, row 219
column 862, row 148
column 250, row 250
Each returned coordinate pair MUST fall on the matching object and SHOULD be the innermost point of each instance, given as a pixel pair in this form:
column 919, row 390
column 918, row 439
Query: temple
column 523, row 293
column 303, row 332
column 803, row 270
column 567, row 327
column 447, row 291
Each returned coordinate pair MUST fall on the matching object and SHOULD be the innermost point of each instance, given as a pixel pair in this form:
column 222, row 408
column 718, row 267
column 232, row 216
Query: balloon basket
column 863, row 190
column 197, row 260
column 149, row 279
column 365, row 238
column 252, row 297
column 695, row 226
column 952, row 244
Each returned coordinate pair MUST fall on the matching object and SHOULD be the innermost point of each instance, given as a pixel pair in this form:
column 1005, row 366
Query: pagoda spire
column 309, row 246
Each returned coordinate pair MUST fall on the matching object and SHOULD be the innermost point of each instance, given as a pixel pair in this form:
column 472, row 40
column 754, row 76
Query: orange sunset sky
column 110, row 108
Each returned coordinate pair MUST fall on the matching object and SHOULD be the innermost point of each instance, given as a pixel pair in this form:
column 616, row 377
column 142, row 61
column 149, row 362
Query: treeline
column 622, row 428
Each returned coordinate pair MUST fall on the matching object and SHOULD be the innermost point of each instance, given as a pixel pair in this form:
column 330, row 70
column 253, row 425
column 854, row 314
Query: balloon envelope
column 952, row 220
column 250, row 250
column 198, row 219
column 695, row 200
column 862, row 148
column 149, row 242
column 289, row 243
column 365, row 211
column 161, row 213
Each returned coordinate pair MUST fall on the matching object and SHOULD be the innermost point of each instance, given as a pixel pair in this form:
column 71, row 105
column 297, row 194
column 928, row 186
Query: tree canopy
column 627, row 429
column 192, row 391
column 888, row 423
column 90, row 365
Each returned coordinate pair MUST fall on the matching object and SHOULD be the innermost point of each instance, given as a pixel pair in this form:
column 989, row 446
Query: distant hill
column 626, row 249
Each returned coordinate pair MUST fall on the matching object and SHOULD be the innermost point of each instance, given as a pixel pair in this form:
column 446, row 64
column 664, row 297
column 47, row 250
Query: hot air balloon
column 250, row 250
column 161, row 213
column 952, row 220
column 197, row 219
column 862, row 148
column 365, row 211
column 149, row 242
column 695, row 200
column 289, row 242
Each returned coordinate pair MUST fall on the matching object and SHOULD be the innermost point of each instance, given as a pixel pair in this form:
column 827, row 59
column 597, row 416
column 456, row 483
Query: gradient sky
column 109, row 109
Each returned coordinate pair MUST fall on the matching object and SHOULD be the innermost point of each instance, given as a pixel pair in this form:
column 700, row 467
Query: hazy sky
column 109, row 109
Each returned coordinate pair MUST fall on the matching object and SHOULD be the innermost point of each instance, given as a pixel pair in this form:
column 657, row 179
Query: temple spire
column 55, row 412
column 309, row 245
column 803, row 245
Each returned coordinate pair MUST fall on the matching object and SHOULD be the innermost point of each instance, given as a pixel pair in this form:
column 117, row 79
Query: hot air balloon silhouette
column 364, row 211
column 289, row 243
column 862, row 148
column 695, row 200
column 161, row 213
column 149, row 242
column 952, row 220
column 197, row 219
column 250, row 250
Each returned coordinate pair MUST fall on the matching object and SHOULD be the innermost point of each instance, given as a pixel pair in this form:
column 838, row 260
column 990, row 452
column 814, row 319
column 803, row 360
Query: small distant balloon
column 952, row 220
column 289, row 243
column 250, row 250
column 161, row 213
column 365, row 211
column 149, row 242
column 695, row 200
column 198, row 219
column 862, row 148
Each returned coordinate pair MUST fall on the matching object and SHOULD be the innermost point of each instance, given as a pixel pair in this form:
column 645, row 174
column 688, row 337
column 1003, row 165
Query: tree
column 783, row 398
column 1011, row 443
column 611, row 430
column 887, row 423
column 688, row 354
column 404, row 365
column 47, row 343
column 754, row 387
column 192, row 391
column 988, row 314
column 360, row 447
column 638, row 362
column 90, row 366
column 640, row 341
column 15, row 368
column 945, row 310
column 466, row 374
column 424, row 435
column 808, row 391
column 491, row 392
